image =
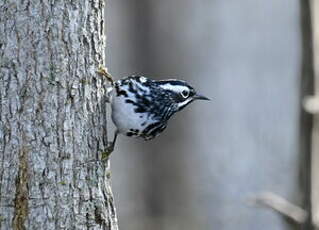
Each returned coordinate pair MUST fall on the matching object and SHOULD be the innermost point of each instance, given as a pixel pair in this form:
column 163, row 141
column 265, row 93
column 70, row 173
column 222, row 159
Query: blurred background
column 205, row 170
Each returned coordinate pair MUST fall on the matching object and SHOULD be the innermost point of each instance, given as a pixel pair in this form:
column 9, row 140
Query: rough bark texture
column 53, row 116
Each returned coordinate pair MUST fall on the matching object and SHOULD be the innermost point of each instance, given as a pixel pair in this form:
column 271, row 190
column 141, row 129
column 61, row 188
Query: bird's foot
column 109, row 149
column 103, row 71
column 104, row 156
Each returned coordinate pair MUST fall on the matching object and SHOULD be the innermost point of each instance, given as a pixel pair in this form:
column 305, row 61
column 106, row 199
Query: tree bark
column 53, row 116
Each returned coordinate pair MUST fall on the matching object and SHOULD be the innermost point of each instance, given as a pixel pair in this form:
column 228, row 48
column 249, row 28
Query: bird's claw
column 103, row 71
column 109, row 149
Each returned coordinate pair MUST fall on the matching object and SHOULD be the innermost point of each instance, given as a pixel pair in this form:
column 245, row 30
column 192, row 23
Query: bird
column 141, row 107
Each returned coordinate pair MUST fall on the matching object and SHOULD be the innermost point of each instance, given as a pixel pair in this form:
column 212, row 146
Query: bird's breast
column 127, row 119
column 138, row 110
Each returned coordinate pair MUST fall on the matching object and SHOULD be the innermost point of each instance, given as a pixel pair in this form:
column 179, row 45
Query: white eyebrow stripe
column 175, row 88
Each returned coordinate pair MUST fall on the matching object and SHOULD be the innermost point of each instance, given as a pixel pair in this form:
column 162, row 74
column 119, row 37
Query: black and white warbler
column 141, row 107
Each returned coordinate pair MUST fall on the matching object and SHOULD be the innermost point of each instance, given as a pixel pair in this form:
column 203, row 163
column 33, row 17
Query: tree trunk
column 53, row 116
column 306, row 89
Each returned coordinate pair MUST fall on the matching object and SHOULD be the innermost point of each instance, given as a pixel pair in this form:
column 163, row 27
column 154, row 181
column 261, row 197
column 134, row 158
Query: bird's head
column 181, row 92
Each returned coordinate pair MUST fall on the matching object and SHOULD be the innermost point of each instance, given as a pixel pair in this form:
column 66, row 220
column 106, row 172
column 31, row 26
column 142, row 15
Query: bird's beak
column 201, row 97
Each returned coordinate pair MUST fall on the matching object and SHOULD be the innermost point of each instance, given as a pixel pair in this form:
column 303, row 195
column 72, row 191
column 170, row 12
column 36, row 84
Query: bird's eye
column 185, row 93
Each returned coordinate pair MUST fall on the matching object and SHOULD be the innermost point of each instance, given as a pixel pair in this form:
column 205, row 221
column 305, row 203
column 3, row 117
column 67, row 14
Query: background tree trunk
column 306, row 89
column 53, row 116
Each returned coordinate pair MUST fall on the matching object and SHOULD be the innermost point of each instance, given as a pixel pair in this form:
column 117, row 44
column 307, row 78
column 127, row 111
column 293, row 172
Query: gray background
column 214, row 156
